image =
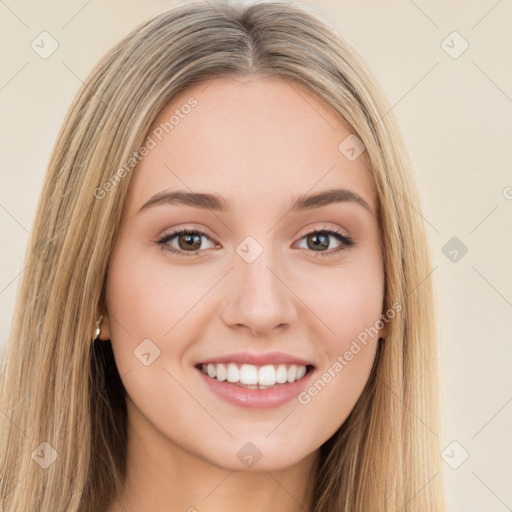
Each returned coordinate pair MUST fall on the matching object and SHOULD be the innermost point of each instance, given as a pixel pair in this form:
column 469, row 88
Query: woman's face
column 258, row 296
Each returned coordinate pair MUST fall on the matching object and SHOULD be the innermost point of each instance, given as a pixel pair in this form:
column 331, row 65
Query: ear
column 105, row 327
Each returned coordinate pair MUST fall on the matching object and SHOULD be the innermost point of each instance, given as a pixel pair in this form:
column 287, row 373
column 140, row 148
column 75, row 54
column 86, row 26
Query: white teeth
column 221, row 372
column 292, row 373
column 233, row 374
column 251, row 375
column 212, row 370
column 281, row 374
column 267, row 375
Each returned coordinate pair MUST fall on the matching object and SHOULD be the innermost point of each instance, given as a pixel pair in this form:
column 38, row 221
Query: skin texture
column 260, row 142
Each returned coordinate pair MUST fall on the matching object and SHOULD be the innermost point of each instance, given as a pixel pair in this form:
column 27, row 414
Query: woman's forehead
column 254, row 136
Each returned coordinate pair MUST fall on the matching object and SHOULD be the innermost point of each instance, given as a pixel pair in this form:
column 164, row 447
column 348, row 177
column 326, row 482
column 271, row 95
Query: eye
column 189, row 241
column 319, row 239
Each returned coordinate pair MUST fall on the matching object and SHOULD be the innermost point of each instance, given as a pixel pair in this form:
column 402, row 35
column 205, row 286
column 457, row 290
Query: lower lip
column 256, row 398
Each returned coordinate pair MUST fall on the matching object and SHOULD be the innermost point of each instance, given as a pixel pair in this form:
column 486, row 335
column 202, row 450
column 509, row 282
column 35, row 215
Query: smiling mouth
column 255, row 377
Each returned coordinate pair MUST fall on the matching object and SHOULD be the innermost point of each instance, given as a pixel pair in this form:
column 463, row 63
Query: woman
column 230, row 212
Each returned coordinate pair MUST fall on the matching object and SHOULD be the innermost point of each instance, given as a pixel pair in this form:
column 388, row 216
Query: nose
column 258, row 298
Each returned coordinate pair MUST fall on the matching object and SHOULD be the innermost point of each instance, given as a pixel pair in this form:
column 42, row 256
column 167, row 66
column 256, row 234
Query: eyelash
column 346, row 241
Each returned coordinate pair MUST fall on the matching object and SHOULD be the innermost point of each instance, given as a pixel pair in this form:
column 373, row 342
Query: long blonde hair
column 56, row 389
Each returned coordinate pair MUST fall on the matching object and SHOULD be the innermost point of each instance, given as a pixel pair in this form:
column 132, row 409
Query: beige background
column 456, row 117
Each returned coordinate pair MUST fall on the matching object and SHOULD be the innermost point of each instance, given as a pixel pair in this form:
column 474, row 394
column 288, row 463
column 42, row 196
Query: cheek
column 352, row 312
column 336, row 389
column 347, row 300
column 350, row 305
column 147, row 297
column 150, row 307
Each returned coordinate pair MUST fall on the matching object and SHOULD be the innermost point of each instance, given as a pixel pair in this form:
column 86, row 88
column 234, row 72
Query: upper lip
column 256, row 359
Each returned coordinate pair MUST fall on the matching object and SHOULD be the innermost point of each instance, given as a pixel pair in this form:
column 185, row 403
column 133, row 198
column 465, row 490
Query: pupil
column 323, row 243
column 191, row 239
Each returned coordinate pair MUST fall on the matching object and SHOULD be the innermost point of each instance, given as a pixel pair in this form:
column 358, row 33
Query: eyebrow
column 220, row 204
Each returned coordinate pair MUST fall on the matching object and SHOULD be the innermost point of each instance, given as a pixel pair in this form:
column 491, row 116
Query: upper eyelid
column 203, row 232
